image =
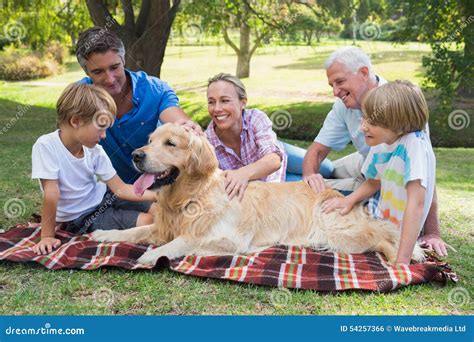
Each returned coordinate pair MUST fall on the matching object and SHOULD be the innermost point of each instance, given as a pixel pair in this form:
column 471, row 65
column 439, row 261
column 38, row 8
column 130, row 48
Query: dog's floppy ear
column 202, row 158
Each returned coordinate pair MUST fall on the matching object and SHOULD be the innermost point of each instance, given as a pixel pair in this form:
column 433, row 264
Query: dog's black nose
column 138, row 156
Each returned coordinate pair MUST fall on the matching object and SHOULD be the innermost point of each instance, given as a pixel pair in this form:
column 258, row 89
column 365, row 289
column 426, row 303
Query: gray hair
column 98, row 40
column 352, row 58
column 235, row 81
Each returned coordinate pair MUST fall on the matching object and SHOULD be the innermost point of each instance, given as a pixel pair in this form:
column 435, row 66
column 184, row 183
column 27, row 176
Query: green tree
column 145, row 36
column 448, row 26
column 312, row 20
column 254, row 21
column 37, row 23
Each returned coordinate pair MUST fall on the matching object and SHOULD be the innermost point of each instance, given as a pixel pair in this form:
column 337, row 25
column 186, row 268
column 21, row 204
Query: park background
column 278, row 48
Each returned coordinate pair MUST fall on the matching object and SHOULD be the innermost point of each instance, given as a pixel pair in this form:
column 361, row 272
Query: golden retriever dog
column 195, row 215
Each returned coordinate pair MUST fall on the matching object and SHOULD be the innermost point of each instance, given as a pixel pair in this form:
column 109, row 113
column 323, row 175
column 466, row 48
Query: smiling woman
column 246, row 146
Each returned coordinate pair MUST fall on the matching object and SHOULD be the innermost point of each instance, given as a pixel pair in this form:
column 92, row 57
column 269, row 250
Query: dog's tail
column 390, row 243
column 418, row 253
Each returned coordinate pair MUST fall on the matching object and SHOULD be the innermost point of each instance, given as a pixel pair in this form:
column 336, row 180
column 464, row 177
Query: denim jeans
column 294, row 169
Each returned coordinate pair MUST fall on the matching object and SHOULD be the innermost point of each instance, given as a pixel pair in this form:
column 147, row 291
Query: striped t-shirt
column 409, row 158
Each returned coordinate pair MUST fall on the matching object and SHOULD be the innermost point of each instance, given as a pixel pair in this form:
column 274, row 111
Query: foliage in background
column 144, row 35
column 310, row 22
column 254, row 21
column 37, row 23
column 37, row 35
column 17, row 64
column 448, row 26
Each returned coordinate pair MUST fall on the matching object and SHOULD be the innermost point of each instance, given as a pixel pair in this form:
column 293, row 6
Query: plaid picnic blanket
column 282, row 266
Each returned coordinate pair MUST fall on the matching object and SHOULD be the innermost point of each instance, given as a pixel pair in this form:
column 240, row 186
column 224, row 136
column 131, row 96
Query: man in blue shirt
column 350, row 74
column 143, row 101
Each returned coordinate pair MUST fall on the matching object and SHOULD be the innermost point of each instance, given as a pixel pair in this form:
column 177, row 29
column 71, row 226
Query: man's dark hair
column 98, row 40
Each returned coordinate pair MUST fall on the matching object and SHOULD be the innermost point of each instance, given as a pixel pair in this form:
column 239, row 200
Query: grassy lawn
column 289, row 78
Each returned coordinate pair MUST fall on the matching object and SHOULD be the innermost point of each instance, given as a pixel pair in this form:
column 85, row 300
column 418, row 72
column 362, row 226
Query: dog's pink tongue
column 143, row 183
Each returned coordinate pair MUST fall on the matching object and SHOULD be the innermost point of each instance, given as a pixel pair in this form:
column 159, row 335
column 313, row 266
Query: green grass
column 289, row 78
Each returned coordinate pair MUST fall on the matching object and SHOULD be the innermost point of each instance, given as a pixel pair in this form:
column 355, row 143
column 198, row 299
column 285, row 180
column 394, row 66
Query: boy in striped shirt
column 400, row 167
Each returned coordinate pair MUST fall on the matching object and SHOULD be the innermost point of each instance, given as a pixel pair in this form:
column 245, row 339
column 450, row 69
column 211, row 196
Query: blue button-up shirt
column 151, row 96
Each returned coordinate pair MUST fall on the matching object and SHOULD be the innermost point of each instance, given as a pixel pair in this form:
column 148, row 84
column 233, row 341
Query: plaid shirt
column 257, row 140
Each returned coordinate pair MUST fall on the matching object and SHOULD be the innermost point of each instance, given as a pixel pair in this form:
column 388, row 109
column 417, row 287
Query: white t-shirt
column 409, row 158
column 342, row 125
column 79, row 189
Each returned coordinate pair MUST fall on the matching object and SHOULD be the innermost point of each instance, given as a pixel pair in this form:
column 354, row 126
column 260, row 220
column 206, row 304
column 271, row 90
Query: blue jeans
column 294, row 169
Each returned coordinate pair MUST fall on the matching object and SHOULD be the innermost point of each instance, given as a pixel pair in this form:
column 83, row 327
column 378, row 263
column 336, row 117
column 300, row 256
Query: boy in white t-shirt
column 68, row 163
column 400, row 164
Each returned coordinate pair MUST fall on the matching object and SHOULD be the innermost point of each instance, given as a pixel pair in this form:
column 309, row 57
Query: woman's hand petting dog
column 236, row 181
column 46, row 245
column 343, row 203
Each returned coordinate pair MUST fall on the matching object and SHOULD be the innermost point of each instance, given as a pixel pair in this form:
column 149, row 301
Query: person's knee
column 144, row 219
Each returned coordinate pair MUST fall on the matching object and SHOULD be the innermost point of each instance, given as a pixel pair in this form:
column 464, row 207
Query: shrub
column 57, row 52
column 17, row 65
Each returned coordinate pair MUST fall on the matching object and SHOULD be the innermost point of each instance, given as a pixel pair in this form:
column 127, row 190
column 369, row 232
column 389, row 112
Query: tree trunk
column 354, row 28
column 466, row 84
column 146, row 37
column 310, row 38
column 243, row 56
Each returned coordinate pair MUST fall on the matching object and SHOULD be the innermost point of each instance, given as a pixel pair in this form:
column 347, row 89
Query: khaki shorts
column 347, row 174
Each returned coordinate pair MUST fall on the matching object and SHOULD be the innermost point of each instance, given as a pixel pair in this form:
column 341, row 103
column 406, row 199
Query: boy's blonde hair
column 89, row 103
column 399, row 106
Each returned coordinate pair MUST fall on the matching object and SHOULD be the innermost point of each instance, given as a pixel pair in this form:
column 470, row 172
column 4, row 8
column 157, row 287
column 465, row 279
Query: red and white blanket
column 282, row 266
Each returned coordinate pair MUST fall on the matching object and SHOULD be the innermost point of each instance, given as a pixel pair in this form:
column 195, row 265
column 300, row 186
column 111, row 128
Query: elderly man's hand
column 435, row 243
column 315, row 181
column 190, row 125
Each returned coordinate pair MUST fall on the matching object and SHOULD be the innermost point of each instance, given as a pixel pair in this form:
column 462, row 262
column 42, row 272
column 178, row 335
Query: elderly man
column 350, row 74
column 143, row 102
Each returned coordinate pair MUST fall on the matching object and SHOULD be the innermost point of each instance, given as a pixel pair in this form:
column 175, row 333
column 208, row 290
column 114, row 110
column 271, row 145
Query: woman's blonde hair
column 235, row 81
column 88, row 102
column 399, row 106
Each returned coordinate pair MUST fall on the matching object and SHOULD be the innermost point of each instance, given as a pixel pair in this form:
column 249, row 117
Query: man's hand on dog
column 190, row 125
column 316, row 182
column 236, row 181
column 46, row 245
column 435, row 243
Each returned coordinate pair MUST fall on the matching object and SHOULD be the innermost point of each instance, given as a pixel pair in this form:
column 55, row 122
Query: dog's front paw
column 104, row 235
column 150, row 257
